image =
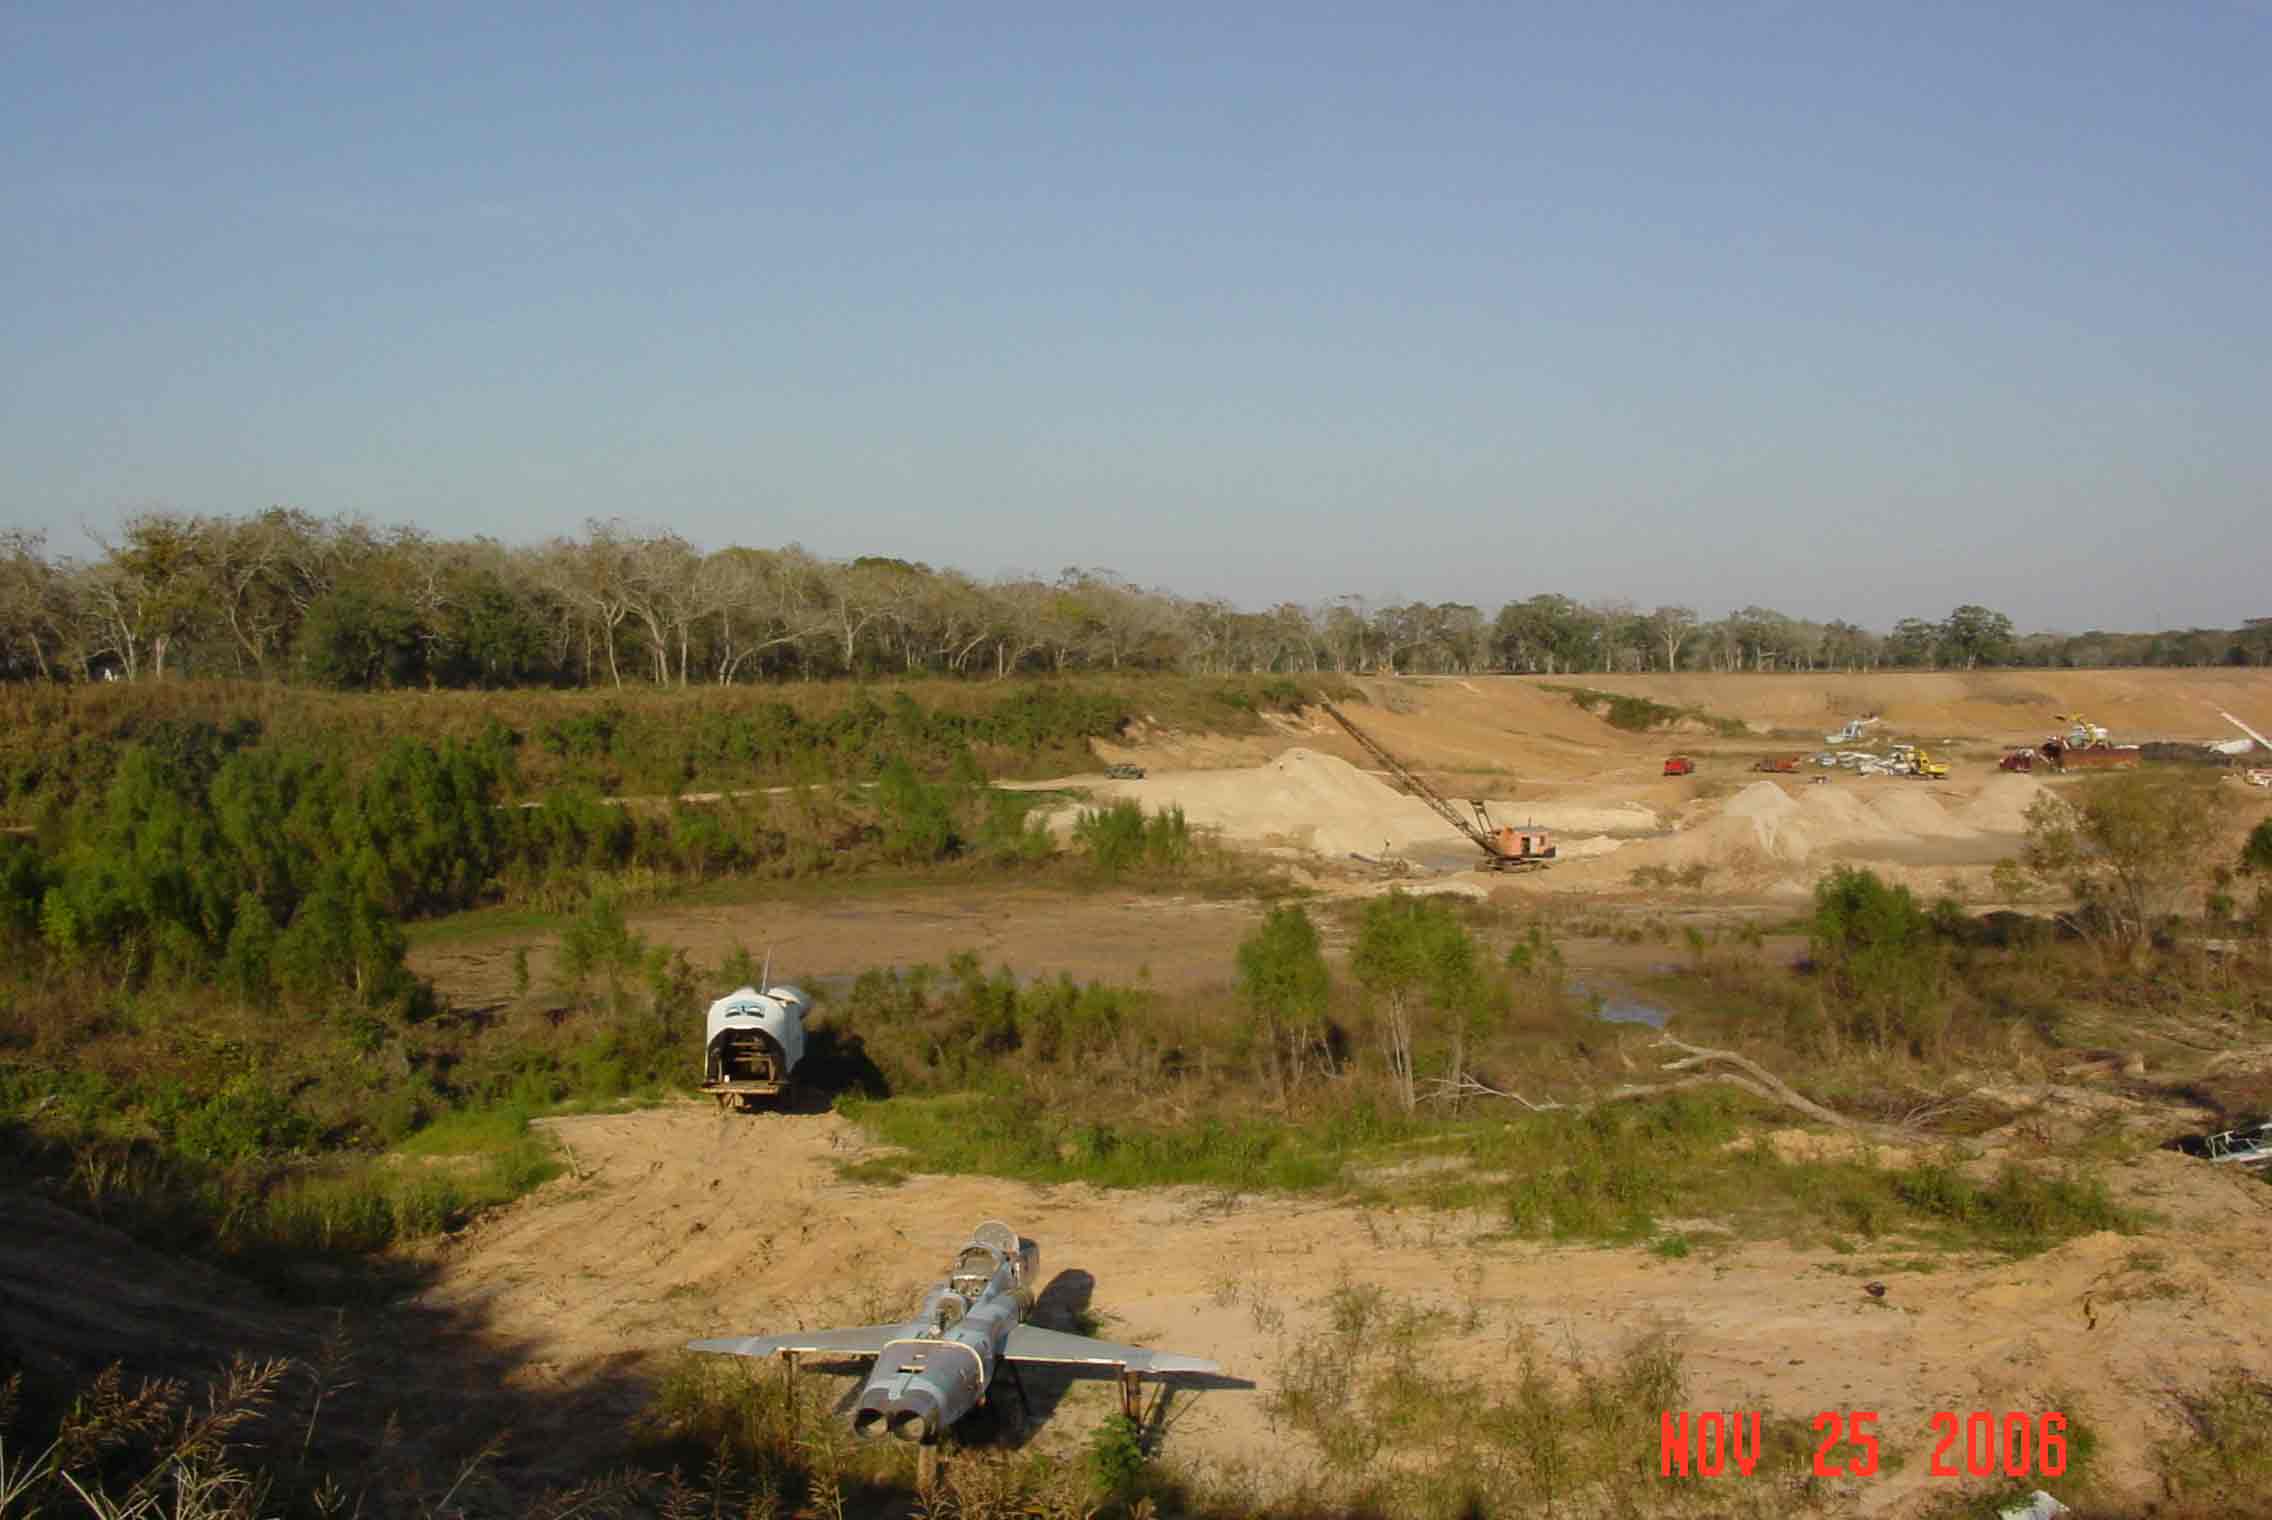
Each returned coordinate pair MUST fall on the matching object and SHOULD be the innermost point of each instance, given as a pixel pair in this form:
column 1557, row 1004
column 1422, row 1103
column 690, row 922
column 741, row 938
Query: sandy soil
column 684, row 1223
column 556, row 1315
column 2013, row 706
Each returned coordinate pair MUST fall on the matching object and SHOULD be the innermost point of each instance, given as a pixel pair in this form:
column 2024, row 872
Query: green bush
column 1167, row 839
column 1113, row 837
column 1884, row 956
column 245, row 1119
column 918, row 819
column 267, row 868
column 1115, row 1456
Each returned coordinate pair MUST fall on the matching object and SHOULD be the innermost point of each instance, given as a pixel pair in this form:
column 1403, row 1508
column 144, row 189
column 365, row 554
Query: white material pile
column 1302, row 798
column 1764, row 827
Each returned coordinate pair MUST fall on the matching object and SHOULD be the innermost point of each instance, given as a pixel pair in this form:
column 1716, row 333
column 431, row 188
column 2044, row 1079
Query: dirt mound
column 81, row 1295
column 1764, row 829
column 1771, row 819
column 1908, row 809
column 1835, row 815
column 2001, row 807
column 1304, row 798
column 1758, row 829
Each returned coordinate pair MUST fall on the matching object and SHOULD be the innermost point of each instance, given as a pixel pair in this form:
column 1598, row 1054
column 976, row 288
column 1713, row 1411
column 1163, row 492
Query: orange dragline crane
column 1524, row 849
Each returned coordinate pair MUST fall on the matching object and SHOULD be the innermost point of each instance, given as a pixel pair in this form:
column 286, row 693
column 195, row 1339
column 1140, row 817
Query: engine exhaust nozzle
column 872, row 1417
column 916, row 1416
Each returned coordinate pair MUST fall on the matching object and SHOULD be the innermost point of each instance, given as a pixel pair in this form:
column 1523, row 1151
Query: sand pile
column 1836, row 816
column 1315, row 801
column 1302, row 798
column 1759, row 824
column 1772, row 819
column 1309, row 800
column 1765, row 829
column 2001, row 807
column 1908, row 809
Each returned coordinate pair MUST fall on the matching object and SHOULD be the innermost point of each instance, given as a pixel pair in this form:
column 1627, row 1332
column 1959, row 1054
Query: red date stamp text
column 1717, row 1443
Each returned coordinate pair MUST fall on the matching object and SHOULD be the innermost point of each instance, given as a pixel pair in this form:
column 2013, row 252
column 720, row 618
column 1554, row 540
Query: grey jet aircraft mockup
column 932, row 1370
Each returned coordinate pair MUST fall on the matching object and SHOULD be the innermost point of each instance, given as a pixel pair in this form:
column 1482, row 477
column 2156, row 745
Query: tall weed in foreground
column 2226, row 1448
column 1387, row 1391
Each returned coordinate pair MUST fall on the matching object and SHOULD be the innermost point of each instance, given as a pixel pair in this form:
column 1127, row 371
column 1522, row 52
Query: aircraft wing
column 866, row 1340
column 1027, row 1343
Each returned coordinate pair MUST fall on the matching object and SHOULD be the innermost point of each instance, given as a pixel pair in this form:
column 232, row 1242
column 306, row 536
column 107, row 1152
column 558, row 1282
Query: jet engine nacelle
column 920, row 1387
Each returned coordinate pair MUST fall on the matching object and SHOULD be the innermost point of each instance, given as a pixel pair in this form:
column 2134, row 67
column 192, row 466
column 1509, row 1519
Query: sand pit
column 1770, row 830
column 1318, row 802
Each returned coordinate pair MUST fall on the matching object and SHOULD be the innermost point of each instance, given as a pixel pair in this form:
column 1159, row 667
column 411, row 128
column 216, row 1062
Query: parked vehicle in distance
column 1680, row 765
column 1124, row 772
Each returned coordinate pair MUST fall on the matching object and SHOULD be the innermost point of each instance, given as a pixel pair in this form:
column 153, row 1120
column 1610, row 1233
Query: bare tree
column 1020, row 623
column 1670, row 627
column 151, row 589
column 657, row 579
column 761, row 602
column 594, row 578
column 257, row 566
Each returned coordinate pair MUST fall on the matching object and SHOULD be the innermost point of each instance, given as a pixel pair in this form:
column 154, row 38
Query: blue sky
column 1848, row 310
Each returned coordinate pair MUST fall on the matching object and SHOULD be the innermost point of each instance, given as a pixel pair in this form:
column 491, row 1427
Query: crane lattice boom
column 1507, row 848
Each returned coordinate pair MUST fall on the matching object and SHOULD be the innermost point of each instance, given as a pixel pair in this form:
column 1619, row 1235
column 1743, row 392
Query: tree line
column 341, row 602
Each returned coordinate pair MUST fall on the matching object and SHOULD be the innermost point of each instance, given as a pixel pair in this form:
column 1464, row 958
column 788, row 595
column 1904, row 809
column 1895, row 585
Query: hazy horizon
column 1860, row 315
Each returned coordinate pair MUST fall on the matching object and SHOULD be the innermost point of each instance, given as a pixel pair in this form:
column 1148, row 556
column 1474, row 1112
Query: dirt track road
column 683, row 1223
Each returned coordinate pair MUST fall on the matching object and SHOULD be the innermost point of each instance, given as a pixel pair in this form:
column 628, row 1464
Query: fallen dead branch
column 1705, row 1068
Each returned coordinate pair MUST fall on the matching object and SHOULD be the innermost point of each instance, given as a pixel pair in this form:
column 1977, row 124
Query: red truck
column 1679, row 765
column 1780, row 765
